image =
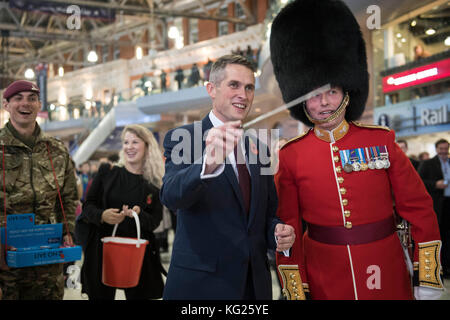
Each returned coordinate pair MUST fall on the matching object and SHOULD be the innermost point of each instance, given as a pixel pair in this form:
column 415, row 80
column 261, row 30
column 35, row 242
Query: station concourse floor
column 75, row 294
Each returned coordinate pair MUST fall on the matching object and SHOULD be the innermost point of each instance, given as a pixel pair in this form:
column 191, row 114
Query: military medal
column 348, row 167
column 345, row 163
column 379, row 164
column 385, row 156
column 371, row 163
column 356, row 166
column 354, row 160
column 364, row 165
column 383, row 162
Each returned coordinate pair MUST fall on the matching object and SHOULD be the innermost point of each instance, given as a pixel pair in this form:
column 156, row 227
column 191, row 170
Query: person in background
column 435, row 173
column 162, row 232
column 194, row 77
column 420, row 53
column 404, row 146
column 163, row 78
column 207, row 70
column 94, row 168
column 113, row 158
column 132, row 185
column 424, row 156
column 85, row 176
column 31, row 157
column 179, row 77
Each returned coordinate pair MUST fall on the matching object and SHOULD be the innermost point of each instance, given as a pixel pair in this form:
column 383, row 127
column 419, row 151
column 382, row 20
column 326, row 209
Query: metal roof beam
column 143, row 10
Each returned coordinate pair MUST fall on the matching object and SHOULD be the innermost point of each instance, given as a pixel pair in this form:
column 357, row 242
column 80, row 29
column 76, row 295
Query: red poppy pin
column 253, row 148
column 61, row 255
column 149, row 199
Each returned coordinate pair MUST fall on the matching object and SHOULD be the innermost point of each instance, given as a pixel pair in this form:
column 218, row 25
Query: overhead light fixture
column 29, row 73
column 139, row 53
column 284, row 1
column 179, row 42
column 399, row 35
column 88, row 94
column 62, row 98
column 173, row 32
column 413, row 23
column 430, row 31
column 60, row 71
column 403, row 40
column 92, row 56
column 447, row 41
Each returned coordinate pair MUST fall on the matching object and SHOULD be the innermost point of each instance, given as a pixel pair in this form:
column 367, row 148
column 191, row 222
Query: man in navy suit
column 225, row 208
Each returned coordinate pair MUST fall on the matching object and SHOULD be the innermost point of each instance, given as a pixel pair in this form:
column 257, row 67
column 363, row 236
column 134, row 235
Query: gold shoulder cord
column 370, row 126
column 292, row 282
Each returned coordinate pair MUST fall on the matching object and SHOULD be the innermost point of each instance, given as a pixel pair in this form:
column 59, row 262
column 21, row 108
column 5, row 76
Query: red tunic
column 310, row 188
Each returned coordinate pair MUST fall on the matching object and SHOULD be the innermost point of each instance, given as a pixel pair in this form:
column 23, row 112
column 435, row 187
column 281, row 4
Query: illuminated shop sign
column 415, row 117
column 430, row 72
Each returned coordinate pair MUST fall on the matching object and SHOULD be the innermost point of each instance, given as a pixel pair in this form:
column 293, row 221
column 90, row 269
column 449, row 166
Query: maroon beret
column 19, row 86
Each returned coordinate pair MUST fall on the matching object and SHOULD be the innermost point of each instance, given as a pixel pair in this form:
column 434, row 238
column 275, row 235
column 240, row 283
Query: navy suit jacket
column 431, row 171
column 215, row 241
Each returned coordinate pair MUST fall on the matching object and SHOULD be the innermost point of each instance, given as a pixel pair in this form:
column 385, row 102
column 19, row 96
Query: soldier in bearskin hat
column 343, row 177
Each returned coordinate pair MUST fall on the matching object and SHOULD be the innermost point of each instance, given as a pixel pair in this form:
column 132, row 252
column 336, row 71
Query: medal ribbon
column 344, row 158
column 383, row 150
column 374, row 152
column 369, row 158
column 353, row 155
column 361, row 154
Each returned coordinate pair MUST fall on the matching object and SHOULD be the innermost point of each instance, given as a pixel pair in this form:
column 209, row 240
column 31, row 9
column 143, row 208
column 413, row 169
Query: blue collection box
column 35, row 244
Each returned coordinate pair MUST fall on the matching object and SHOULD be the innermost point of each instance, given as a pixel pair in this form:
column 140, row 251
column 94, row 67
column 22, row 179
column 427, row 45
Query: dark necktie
column 244, row 177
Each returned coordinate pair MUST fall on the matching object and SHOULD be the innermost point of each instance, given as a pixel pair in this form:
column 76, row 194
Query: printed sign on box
column 35, row 244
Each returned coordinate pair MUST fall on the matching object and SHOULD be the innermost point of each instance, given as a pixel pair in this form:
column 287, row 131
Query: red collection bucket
column 122, row 258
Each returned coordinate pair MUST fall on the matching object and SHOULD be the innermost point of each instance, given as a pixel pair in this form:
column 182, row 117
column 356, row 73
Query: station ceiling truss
column 37, row 31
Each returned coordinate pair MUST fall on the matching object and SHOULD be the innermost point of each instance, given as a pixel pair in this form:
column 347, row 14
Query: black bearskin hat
column 316, row 42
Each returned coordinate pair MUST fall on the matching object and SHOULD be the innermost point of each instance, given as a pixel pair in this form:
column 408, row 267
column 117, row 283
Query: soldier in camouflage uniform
column 31, row 187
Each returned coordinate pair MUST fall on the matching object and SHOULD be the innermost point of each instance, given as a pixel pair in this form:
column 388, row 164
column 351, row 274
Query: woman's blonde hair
column 153, row 167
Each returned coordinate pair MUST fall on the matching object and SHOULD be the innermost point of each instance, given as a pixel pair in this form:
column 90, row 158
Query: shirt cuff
column 216, row 173
column 286, row 253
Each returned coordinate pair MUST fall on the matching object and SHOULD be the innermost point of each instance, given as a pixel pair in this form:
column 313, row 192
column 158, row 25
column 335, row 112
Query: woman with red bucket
column 132, row 185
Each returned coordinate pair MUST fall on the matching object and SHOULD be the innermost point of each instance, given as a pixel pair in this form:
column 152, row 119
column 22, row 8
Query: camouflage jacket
column 30, row 182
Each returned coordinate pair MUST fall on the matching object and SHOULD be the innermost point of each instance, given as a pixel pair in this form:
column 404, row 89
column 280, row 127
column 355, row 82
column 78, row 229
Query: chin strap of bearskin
column 336, row 114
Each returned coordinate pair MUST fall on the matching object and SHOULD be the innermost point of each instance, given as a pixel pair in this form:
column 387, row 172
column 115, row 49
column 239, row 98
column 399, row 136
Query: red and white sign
column 428, row 73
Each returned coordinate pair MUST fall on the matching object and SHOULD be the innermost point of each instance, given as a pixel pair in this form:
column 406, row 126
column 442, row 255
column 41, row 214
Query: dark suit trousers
column 249, row 293
column 445, row 235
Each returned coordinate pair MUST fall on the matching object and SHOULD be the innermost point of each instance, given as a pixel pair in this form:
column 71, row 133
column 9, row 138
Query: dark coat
column 431, row 171
column 150, row 283
column 215, row 241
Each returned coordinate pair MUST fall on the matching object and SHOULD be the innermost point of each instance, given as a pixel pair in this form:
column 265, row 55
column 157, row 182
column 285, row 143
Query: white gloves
column 423, row 293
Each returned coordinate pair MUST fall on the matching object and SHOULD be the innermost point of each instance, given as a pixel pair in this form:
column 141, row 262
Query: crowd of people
column 328, row 214
column 197, row 77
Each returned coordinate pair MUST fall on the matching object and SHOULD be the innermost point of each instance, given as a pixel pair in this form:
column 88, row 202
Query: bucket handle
column 138, row 227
